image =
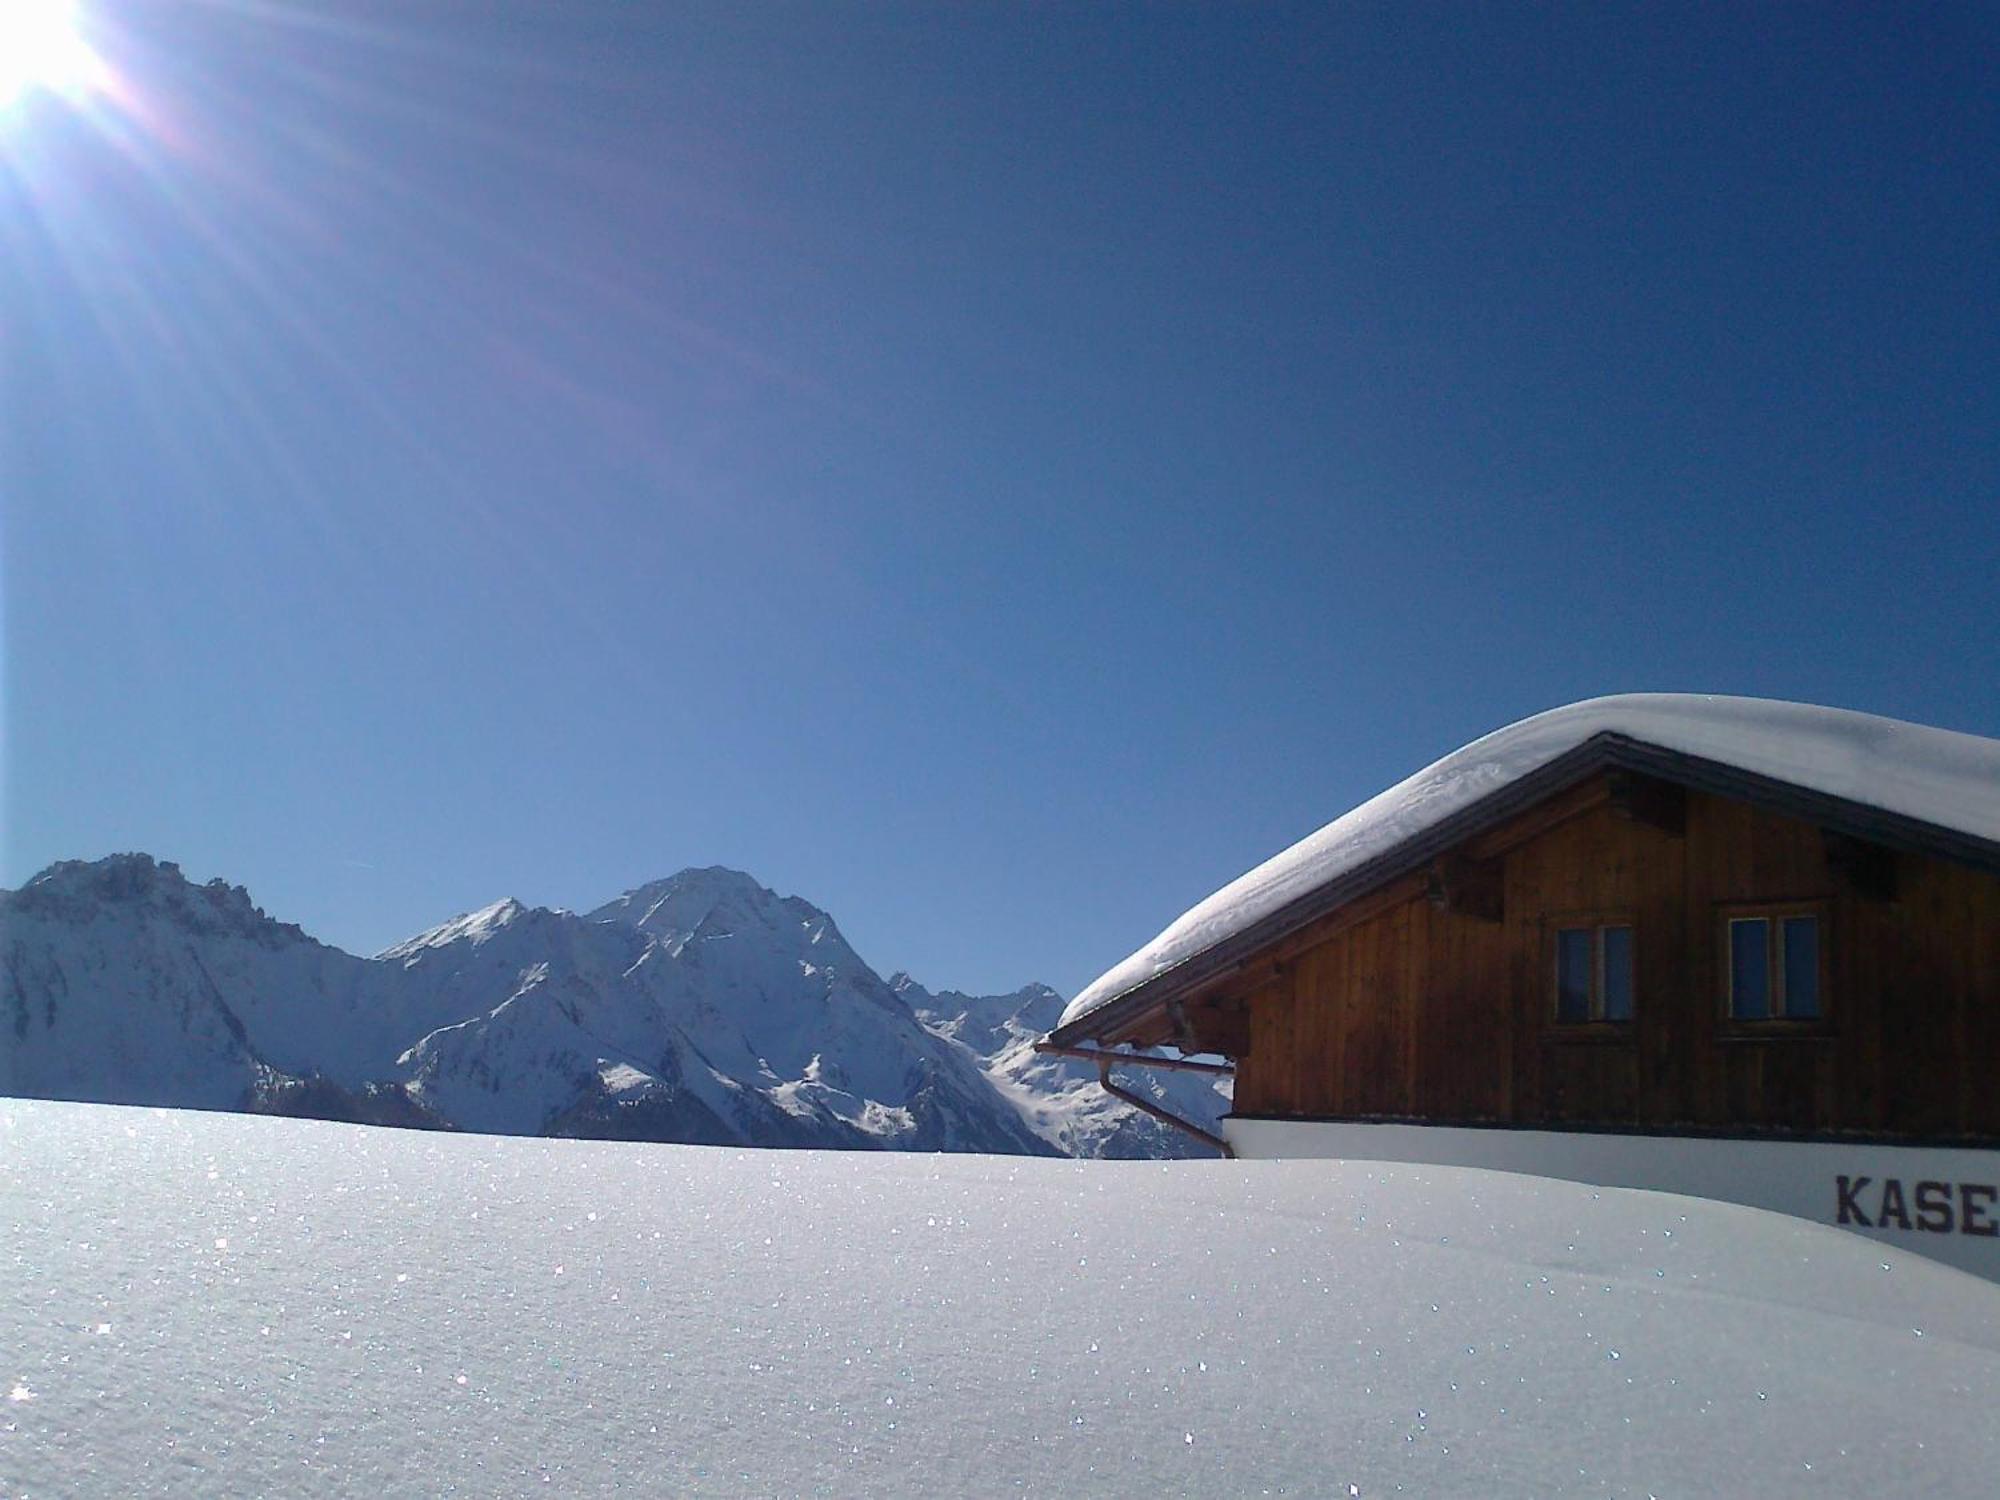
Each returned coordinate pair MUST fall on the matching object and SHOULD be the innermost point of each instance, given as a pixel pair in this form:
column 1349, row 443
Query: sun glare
column 41, row 48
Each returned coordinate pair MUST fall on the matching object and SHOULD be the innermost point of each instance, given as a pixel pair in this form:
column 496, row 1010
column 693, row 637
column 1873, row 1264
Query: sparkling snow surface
column 1935, row 775
column 215, row 1305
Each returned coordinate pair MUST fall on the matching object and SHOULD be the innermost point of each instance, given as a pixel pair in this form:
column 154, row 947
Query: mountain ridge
column 701, row 1006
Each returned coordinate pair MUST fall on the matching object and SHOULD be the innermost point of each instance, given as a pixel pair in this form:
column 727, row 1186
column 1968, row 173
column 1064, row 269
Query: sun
column 41, row 48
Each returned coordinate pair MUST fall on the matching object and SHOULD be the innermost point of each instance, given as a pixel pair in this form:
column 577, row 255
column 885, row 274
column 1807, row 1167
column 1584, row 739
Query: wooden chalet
column 1590, row 943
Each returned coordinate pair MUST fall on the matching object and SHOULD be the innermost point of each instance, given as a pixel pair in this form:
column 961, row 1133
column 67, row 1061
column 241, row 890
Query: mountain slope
column 1060, row 1097
column 122, row 982
column 766, row 991
column 702, row 1007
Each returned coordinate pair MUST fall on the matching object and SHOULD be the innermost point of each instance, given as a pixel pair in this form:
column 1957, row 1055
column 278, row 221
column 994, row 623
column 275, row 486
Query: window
column 1594, row 973
column 1774, row 966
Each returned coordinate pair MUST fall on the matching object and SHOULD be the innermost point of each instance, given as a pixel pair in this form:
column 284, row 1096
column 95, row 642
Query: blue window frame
column 1749, row 968
column 1774, row 966
column 1594, row 981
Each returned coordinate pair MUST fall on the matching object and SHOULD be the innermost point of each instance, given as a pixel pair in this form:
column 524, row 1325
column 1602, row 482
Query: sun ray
column 41, row 48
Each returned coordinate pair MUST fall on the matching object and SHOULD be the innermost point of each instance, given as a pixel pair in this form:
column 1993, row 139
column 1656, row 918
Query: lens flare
column 42, row 49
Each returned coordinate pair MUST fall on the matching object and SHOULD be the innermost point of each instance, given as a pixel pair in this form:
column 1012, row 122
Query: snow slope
column 218, row 1305
column 1060, row 1097
column 1936, row 775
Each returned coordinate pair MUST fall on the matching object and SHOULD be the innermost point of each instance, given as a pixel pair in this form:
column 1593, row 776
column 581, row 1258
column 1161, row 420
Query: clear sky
column 997, row 472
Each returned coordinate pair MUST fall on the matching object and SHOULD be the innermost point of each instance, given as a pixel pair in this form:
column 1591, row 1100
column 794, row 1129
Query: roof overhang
column 1607, row 750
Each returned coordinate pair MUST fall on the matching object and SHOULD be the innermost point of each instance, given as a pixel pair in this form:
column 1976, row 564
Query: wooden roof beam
column 1473, row 888
column 1868, row 870
column 1649, row 801
column 1537, row 819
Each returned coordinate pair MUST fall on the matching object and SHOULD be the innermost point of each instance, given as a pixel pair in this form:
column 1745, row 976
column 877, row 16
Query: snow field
column 217, row 1305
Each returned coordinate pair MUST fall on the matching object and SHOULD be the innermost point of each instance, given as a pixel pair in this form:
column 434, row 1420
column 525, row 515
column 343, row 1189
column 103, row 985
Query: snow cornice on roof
column 1905, row 786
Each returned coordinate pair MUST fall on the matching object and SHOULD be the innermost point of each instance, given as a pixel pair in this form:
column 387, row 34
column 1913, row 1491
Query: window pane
column 1617, row 973
column 1749, row 968
column 1573, row 974
column 1801, row 966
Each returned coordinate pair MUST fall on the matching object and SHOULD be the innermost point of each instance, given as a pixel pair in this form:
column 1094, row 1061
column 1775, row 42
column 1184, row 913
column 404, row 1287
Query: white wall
column 1937, row 1201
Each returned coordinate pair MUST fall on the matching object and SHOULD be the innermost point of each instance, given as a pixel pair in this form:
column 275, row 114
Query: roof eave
column 1602, row 751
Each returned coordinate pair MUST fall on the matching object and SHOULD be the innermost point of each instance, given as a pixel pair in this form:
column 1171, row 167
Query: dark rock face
column 665, row 1115
column 323, row 1099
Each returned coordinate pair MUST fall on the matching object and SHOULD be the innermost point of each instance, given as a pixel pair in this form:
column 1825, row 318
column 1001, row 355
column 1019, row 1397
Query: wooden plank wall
column 1421, row 1013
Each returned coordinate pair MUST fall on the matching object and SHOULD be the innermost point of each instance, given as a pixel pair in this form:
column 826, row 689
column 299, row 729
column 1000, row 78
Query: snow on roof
column 223, row 1305
column 1933, row 775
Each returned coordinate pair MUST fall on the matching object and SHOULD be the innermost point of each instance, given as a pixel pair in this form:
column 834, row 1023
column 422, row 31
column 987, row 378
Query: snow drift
column 216, row 1305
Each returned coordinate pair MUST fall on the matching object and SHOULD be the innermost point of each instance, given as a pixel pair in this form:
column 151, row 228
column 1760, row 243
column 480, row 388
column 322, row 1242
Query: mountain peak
column 474, row 927
column 77, row 888
column 499, row 914
column 116, row 877
column 702, row 1006
column 715, row 881
column 711, row 896
column 1030, row 1009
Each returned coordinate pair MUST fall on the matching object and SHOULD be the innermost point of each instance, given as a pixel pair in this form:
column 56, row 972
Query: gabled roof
column 1906, row 786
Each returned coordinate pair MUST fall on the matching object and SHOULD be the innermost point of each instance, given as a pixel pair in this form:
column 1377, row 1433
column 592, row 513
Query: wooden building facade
column 1441, row 996
column 1626, row 940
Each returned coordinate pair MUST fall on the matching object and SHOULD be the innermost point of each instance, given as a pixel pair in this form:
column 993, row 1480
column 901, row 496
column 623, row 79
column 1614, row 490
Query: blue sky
column 996, row 472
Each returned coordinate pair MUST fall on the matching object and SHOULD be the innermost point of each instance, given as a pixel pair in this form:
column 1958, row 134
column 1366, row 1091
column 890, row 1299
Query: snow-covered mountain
column 702, row 1007
column 1058, row 1096
column 121, row 981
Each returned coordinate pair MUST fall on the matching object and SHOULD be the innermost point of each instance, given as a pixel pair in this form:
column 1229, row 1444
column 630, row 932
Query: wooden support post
column 1218, row 1024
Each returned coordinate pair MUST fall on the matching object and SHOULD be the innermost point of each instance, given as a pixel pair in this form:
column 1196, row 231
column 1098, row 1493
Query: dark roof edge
column 1602, row 751
column 1876, row 825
